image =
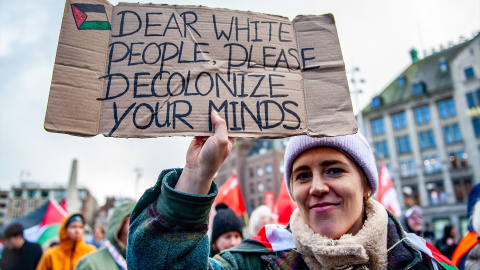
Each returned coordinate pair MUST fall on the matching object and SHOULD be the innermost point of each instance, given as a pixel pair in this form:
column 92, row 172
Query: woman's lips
column 323, row 207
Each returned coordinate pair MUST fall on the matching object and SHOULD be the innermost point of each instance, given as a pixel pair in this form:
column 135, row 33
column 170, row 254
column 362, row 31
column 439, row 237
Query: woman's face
column 329, row 191
column 228, row 240
column 415, row 222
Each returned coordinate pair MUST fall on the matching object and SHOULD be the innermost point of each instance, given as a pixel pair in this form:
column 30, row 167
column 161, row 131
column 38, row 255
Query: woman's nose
column 319, row 187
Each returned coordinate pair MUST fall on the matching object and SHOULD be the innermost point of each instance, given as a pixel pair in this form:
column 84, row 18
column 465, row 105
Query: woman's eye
column 335, row 171
column 304, row 176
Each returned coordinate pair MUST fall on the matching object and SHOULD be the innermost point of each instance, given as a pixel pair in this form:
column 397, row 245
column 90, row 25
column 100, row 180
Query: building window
column 418, row 88
column 16, row 203
column 60, row 194
column 17, row 193
column 268, row 168
column 260, row 187
column 462, row 189
column 251, row 173
column 473, row 100
column 82, row 194
column 15, row 214
column 376, row 102
column 407, row 168
column 411, row 195
column 30, row 203
column 458, row 159
column 476, row 126
column 469, row 73
column 452, row 133
column 436, row 193
column 422, row 115
column 381, row 149
column 252, row 203
column 252, row 188
column 427, row 140
column 378, row 127
column 259, row 171
column 269, row 185
column 403, row 144
column 443, row 65
column 31, row 193
column 431, row 164
column 399, row 121
column 446, row 108
column 44, row 193
column 401, row 81
column 439, row 225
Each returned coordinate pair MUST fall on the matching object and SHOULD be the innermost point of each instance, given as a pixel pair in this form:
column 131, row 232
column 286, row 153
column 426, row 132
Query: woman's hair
column 353, row 146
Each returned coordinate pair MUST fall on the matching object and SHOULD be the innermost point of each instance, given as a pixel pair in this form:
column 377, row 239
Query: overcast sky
column 375, row 35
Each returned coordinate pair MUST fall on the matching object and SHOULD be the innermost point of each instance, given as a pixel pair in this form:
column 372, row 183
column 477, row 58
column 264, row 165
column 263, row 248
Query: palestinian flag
column 271, row 238
column 42, row 224
column 90, row 17
column 437, row 259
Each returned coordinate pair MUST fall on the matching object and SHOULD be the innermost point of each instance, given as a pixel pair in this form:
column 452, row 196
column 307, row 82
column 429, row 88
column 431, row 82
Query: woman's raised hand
column 205, row 155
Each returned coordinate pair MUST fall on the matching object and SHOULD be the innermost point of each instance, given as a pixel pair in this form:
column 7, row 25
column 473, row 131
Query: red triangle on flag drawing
column 230, row 194
column 387, row 195
column 79, row 16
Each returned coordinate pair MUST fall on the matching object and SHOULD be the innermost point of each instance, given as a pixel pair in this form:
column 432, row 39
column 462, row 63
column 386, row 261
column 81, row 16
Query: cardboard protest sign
column 149, row 70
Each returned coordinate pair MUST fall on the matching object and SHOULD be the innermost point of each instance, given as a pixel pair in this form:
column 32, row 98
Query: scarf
column 367, row 249
column 117, row 257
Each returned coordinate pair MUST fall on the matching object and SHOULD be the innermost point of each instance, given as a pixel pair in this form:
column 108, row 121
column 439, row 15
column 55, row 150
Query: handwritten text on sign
column 168, row 68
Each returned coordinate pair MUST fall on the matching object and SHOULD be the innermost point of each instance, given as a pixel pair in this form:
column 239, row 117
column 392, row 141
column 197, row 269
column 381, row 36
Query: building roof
column 425, row 71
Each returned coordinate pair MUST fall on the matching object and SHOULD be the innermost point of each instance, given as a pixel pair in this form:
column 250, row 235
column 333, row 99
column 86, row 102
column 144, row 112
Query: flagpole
column 246, row 219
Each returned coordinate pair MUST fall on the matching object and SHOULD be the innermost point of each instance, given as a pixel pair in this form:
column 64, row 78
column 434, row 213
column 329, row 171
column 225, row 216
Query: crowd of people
column 71, row 252
column 337, row 225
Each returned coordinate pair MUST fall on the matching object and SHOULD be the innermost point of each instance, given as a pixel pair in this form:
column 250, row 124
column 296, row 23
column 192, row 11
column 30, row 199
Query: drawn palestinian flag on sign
column 90, row 16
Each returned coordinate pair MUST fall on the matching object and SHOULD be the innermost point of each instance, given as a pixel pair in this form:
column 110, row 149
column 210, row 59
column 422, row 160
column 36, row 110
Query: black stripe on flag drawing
column 81, row 12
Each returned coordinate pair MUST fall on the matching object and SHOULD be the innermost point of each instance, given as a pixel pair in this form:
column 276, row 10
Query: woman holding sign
column 337, row 224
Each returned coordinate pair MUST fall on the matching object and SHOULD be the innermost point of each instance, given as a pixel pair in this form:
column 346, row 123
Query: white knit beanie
column 355, row 145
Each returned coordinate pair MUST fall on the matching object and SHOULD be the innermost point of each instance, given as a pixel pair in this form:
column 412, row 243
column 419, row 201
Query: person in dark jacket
column 337, row 224
column 18, row 252
column 447, row 244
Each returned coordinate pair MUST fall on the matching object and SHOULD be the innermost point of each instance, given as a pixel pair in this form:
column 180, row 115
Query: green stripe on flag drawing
column 95, row 25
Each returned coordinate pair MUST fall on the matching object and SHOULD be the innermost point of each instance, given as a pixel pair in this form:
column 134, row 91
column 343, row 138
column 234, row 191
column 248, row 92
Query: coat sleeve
column 168, row 228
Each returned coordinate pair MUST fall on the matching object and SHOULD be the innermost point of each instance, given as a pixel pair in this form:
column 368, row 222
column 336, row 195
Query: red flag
column 63, row 204
column 284, row 205
column 269, row 199
column 230, row 194
column 387, row 195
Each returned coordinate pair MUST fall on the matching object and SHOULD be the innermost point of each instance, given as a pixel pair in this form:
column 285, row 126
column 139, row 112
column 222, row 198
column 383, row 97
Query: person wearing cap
column 112, row 255
column 338, row 225
column 412, row 220
column 226, row 229
column 71, row 248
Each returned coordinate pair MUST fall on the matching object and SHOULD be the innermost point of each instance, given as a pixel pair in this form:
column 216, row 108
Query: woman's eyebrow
column 301, row 168
column 332, row 162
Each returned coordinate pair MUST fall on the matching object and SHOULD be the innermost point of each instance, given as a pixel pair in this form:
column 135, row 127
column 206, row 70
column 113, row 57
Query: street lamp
column 357, row 92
